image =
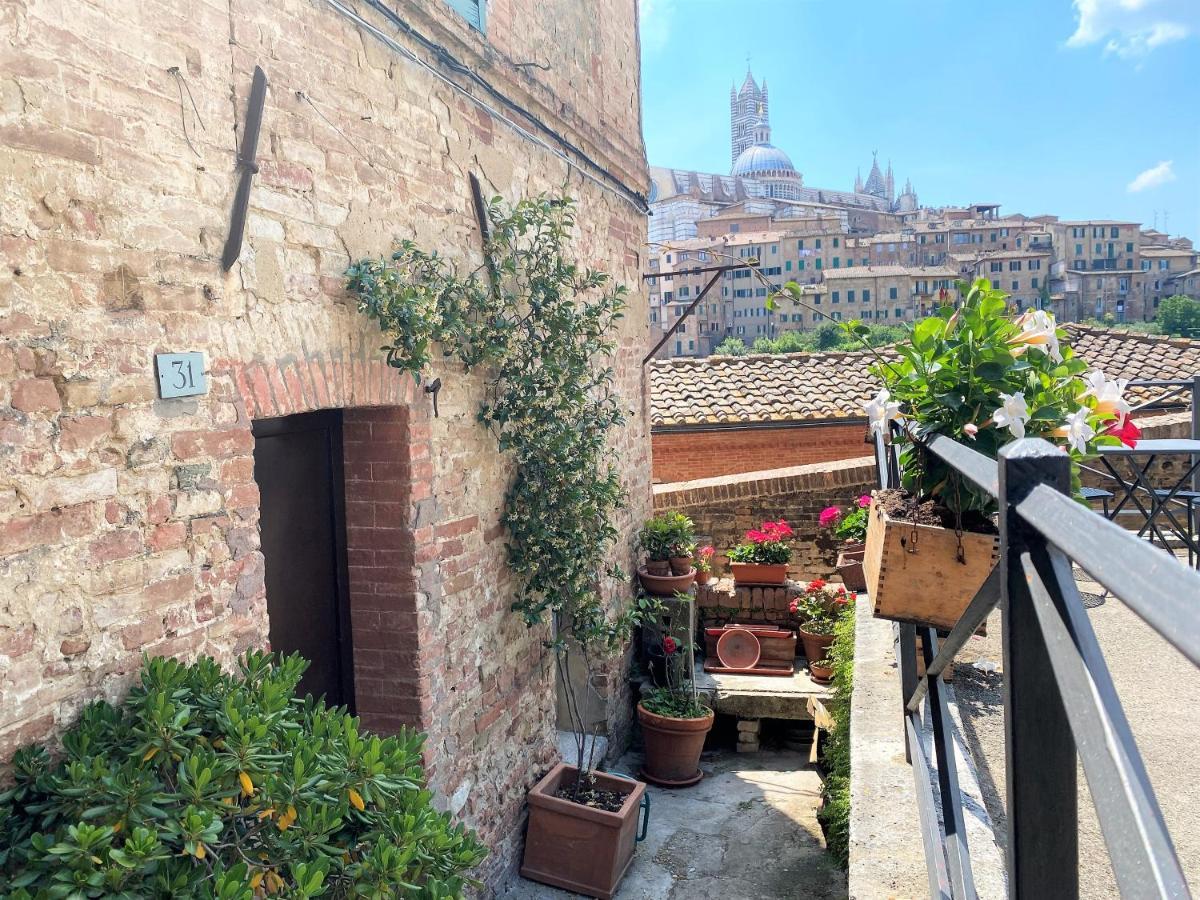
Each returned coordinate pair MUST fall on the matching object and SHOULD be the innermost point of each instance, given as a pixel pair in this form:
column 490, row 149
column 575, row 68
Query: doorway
column 298, row 466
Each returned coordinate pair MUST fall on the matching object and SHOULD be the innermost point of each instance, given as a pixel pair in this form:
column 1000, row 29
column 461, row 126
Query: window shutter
column 471, row 10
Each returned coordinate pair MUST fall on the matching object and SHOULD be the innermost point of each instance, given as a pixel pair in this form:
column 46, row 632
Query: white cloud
column 655, row 18
column 1133, row 28
column 1155, row 176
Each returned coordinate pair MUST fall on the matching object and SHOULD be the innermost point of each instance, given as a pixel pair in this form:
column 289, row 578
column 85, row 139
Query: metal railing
column 1060, row 705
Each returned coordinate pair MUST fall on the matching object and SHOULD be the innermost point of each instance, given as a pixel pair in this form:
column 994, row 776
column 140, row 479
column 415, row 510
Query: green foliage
column 671, row 534
column 212, row 785
column 674, row 703
column 826, row 336
column 1179, row 315
column 954, row 373
column 540, row 327
column 731, row 346
column 834, row 814
column 822, row 606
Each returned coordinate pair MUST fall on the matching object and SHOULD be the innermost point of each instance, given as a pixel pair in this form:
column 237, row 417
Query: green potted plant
column 674, row 722
column 817, row 610
column 669, row 542
column 849, row 527
column 763, row 557
column 983, row 378
column 821, row 671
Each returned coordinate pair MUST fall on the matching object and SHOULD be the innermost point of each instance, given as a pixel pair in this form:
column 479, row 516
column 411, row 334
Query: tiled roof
column 798, row 387
column 791, row 387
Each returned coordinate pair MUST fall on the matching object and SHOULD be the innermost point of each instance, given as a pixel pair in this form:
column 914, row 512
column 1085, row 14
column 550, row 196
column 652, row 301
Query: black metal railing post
column 1195, row 426
column 1043, row 839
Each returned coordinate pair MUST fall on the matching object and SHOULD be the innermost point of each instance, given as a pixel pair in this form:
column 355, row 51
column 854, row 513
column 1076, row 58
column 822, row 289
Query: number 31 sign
column 180, row 374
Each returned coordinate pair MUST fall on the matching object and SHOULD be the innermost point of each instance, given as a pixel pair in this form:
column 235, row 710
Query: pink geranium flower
column 829, row 516
column 864, row 501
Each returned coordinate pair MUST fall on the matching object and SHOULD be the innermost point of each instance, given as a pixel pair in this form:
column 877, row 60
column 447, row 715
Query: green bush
column 1179, row 315
column 834, row 814
column 207, row 784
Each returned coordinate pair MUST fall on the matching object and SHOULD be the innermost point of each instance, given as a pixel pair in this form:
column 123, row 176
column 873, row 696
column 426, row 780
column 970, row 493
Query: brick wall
column 688, row 455
column 129, row 524
column 724, row 508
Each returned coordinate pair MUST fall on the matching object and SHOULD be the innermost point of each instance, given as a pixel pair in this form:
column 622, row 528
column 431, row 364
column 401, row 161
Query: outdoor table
column 1160, row 499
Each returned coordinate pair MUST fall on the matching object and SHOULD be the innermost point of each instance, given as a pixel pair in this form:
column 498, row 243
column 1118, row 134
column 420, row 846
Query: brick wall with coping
column 129, row 524
column 688, row 455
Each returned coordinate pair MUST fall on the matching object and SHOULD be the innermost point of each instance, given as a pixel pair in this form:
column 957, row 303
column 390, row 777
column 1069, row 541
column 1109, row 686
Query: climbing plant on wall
column 539, row 327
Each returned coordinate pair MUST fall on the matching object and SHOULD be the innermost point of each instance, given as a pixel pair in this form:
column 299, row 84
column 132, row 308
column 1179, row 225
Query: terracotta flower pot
column 820, row 674
column 815, row 645
column 673, row 748
column 680, row 565
column 666, row 585
column 576, row 847
column 757, row 573
column 658, row 567
column 850, row 568
column 703, row 577
column 912, row 572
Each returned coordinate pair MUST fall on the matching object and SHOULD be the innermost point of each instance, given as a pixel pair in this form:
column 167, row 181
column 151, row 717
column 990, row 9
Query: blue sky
column 1082, row 109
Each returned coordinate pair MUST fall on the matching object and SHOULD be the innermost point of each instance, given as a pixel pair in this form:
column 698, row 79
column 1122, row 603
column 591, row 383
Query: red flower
column 669, row 645
column 1129, row 433
column 816, row 584
column 793, row 606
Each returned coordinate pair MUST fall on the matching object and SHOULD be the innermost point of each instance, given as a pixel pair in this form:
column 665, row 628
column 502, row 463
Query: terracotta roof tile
column 798, row 387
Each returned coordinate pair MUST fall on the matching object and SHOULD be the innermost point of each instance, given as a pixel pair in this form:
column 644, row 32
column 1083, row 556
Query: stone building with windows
column 131, row 523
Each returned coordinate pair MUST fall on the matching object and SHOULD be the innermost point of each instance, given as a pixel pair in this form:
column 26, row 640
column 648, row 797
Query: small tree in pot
column 674, row 721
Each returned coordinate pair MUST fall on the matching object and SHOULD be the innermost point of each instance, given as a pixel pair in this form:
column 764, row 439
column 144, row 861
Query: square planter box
column 575, row 847
column 921, row 581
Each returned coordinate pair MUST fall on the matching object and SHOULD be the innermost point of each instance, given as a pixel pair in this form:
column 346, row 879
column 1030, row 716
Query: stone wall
column 129, row 524
column 724, row 508
column 688, row 455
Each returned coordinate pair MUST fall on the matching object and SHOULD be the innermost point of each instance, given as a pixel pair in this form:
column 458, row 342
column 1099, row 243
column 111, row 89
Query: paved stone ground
column 1160, row 691
column 748, row 831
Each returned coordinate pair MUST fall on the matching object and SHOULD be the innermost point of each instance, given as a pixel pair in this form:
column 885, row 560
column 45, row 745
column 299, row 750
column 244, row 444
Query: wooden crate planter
column 922, row 581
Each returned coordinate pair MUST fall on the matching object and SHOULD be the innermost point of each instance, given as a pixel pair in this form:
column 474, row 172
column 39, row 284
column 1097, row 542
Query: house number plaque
column 180, row 374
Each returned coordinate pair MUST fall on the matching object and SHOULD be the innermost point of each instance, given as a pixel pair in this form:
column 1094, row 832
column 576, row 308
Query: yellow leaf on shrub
column 356, row 800
column 247, row 784
column 199, row 851
column 149, row 754
column 256, row 880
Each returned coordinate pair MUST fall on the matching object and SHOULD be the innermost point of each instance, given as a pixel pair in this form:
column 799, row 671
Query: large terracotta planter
column 815, row 645
column 666, row 585
column 755, row 573
column 575, row 847
column 913, row 574
column 673, row 748
column 657, row 567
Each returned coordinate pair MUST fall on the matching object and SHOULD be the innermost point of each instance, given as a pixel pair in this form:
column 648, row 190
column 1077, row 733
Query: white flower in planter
column 1077, row 431
column 1038, row 331
column 1013, row 414
column 1110, row 400
column 882, row 410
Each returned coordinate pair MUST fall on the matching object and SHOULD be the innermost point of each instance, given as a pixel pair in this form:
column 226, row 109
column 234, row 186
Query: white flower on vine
column 1110, row 400
column 1012, row 414
column 1077, row 431
column 1037, row 331
column 882, row 410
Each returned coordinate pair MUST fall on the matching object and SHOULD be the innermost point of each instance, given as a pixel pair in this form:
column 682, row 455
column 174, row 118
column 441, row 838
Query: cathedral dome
column 763, row 159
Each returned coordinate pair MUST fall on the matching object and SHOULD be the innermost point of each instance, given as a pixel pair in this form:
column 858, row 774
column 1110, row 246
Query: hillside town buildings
column 870, row 253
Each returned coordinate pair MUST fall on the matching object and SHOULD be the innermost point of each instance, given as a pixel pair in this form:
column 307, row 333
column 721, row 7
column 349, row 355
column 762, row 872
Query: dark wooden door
column 298, row 467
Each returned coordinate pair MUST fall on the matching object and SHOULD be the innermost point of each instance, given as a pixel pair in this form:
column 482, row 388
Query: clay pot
column 703, row 577
column 680, row 565
column 739, row 648
column 820, row 674
column 754, row 573
column 658, row 566
column 575, row 847
column 673, row 748
column 815, row 645
column 850, row 568
column 666, row 585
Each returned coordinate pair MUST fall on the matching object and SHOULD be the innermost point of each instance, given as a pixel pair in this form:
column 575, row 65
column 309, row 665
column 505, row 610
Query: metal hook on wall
column 432, row 388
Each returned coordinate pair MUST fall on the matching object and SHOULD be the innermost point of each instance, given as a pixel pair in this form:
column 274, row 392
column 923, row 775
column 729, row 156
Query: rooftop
column 806, row 387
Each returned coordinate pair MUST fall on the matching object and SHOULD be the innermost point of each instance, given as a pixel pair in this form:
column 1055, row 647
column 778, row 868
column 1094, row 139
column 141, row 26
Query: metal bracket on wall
column 432, row 388
column 247, row 164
